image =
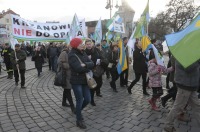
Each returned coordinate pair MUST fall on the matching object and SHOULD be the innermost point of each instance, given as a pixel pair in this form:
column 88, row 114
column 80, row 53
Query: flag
column 184, row 45
column 75, row 30
column 122, row 64
column 109, row 36
column 67, row 39
column 83, row 27
column 13, row 42
column 141, row 28
column 115, row 24
column 158, row 56
column 145, row 43
column 98, row 32
column 131, row 44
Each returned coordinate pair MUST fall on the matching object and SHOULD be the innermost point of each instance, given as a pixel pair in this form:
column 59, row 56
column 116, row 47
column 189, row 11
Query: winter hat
column 75, row 42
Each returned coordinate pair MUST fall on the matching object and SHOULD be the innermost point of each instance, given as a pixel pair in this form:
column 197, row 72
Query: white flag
column 98, row 32
column 75, row 30
column 158, row 56
column 13, row 42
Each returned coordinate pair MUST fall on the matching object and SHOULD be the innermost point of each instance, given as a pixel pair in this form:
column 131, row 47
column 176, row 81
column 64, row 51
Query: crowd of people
column 80, row 57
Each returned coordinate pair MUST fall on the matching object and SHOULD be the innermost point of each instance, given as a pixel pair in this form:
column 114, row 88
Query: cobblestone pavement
column 38, row 108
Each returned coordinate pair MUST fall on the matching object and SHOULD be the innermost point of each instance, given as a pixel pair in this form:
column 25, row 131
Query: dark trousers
column 22, row 75
column 53, row 61
column 168, row 75
column 49, row 64
column 107, row 72
column 115, row 76
column 157, row 92
column 39, row 70
column 171, row 93
column 68, row 96
column 137, row 78
column 124, row 78
column 97, row 89
column 9, row 69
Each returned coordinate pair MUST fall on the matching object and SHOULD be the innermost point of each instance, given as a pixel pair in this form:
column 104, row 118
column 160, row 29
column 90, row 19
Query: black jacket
column 77, row 71
column 139, row 61
column 6, row 54
column 38, row 58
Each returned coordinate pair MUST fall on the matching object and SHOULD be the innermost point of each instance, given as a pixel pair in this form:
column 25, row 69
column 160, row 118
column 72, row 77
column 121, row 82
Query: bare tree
column 177, row 15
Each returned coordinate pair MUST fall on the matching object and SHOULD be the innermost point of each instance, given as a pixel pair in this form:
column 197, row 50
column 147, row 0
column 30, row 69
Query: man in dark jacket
column 19, row 65
column 6, row 55
column 187, row 81
column 106, row 50
column 53, row 54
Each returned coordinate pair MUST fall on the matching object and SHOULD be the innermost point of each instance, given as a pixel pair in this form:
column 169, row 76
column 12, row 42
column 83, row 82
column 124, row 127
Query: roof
column 9, row 11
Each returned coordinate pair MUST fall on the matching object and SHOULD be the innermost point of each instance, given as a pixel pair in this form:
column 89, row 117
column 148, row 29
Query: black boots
column 81, row 124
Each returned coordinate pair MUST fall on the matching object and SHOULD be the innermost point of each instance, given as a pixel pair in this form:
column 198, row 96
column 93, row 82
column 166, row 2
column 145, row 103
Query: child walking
column 155, row 80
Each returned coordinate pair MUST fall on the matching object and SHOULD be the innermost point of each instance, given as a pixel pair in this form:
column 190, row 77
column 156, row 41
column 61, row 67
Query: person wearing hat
column 6, row 56
column 78, row 78
column 18, row 58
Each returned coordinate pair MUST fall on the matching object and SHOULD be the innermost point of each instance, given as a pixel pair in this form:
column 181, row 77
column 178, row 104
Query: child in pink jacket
column 155, row 81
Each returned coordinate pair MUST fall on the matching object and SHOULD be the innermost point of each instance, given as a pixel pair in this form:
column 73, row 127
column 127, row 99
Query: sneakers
column 153, row 105
column 169, row 129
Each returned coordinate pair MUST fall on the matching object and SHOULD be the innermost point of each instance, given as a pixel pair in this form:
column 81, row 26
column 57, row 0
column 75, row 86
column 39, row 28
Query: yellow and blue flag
column 122, row 63
column 185, row 45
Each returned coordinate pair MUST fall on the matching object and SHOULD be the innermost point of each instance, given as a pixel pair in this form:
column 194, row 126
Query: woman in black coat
column 140, row 68
column 78, row 78
column 38, row 57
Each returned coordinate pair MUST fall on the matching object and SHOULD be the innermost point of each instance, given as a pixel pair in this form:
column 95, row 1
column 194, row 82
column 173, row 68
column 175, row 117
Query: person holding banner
column 18, row 58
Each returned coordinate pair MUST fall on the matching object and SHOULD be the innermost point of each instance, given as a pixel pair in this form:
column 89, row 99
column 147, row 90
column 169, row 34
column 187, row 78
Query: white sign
column 119, row 27
column 38, row 31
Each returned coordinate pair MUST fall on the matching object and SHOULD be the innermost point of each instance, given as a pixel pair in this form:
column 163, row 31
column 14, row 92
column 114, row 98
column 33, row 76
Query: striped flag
column 122, row 64
column 184, row 45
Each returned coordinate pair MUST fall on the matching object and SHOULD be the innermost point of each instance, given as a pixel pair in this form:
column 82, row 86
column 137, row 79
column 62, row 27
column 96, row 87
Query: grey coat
column 63, row 63
column 187, row 79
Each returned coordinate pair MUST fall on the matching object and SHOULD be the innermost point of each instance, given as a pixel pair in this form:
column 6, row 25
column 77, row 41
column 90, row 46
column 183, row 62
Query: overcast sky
column 63, row 10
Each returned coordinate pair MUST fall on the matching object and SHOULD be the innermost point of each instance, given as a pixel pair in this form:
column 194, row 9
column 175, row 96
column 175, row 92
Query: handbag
column 98, row 71
column 60, row 78
column 90, row 80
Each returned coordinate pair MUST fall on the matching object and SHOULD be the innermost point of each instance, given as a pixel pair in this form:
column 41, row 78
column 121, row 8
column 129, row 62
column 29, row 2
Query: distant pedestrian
column 19, row 65
column 38, row 58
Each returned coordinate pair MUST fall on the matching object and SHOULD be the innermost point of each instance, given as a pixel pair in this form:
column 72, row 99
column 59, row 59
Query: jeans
column 183, row 98
column 83, row 98
column 53, row 61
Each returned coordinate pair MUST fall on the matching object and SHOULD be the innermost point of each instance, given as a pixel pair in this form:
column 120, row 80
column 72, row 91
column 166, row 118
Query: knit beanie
column 75, row 42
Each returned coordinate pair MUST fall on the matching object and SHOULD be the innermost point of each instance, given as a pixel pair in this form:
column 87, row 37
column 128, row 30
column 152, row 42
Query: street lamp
column 109, row 5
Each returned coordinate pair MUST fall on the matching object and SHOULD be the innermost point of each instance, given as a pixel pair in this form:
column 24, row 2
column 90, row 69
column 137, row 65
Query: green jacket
column 21, row 56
